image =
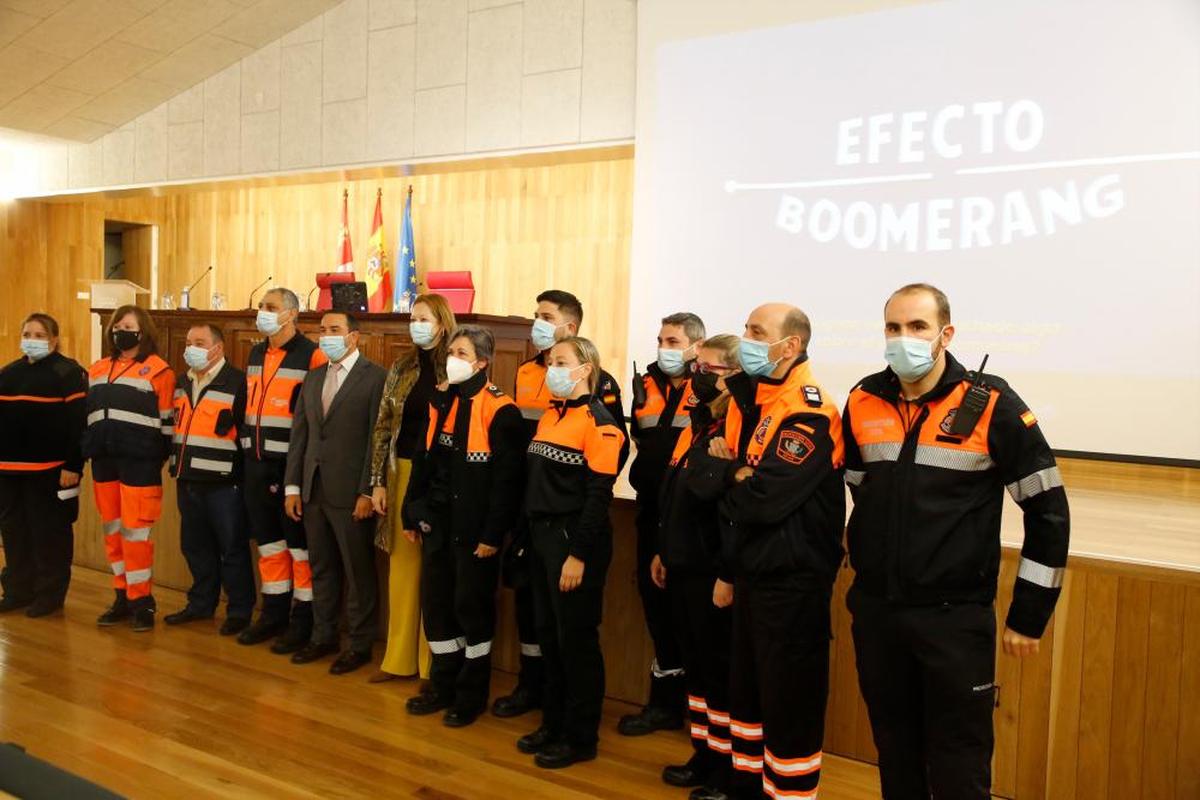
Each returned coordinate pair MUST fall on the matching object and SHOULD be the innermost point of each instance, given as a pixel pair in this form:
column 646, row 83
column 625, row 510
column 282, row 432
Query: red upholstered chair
column 456, row 286
column 326, row 280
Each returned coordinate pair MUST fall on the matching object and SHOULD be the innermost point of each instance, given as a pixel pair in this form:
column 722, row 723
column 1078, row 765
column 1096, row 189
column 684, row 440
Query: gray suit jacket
column 337, row 443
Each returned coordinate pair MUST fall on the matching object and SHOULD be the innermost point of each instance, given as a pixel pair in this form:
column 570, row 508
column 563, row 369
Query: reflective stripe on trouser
column 698, row 720
column 780, row 684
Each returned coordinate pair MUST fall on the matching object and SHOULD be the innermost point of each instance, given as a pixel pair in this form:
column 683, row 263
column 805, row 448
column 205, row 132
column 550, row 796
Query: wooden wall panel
column 1187, row 777
column 1095, row 715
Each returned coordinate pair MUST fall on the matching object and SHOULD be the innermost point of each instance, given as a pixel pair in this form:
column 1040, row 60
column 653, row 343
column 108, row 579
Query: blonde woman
column 399, row 432
column 572, row 464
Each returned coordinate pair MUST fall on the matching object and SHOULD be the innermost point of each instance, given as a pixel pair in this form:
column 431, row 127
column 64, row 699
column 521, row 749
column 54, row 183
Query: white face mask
column 459, row 370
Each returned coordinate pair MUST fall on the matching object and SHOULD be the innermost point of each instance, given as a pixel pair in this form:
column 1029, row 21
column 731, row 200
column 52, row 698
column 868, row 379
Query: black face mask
column 704, row 386
column 126, row 340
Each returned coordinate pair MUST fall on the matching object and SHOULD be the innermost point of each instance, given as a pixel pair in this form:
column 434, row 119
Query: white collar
column 347, row 363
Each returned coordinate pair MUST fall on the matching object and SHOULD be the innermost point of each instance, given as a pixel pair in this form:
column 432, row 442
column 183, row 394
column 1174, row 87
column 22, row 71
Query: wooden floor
column 187, row 713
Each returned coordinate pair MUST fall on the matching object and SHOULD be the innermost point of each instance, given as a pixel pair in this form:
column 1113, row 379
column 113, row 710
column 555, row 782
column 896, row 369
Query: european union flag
column 406, row 263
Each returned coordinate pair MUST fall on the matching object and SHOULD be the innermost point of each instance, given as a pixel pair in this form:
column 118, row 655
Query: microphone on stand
column 185, row 296
column 250, row 301
column 308, row 300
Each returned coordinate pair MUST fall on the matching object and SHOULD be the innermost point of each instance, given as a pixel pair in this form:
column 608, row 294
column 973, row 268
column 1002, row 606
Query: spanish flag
column 1028, row 418
column 379, row 275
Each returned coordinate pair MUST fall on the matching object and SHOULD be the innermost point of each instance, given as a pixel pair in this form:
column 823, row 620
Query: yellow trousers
column 407, row 651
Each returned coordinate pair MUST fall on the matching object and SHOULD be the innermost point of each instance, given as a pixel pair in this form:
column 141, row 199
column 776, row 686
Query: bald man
column 777, row 474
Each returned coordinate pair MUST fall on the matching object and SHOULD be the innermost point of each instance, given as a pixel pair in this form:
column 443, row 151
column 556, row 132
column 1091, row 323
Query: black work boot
column 117, row 612
column 144, row 609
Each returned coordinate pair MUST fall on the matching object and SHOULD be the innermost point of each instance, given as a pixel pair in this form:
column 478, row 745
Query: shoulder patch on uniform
column 1028, row 418
column 794, row 447
column 495, row 390
column 760, row 433
column 812, row 396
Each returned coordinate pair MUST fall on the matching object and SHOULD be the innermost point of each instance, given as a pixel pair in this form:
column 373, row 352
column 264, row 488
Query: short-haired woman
column 464, row 499
column 41, row 422
column 691, row 566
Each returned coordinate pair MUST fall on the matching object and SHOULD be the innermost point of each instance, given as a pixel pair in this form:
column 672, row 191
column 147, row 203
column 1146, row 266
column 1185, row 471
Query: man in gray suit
column 328, row 486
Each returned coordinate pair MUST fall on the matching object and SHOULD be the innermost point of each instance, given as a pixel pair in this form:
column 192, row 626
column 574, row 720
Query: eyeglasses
column 711, row 369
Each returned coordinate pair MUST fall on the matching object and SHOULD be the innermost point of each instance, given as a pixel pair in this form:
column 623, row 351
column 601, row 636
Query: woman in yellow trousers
column 399, row 433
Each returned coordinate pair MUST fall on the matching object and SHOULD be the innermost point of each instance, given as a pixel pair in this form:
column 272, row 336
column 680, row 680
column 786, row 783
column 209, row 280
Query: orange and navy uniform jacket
column 657, row 425
column 273, row 379
column 572, row 464
column 130, row 409
column 533, row 398
column 42, row 415
column 789, row 515
column 207, row 443
column 471, row 471
column 925, row 529
column 689, row 534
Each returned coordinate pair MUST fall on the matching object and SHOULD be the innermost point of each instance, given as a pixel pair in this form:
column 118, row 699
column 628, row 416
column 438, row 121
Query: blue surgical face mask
column 754, row 357
column 909, row 357
column 421, row 334
column 542, row 334
column 267, row 322
column 334, row 347
column 195, row 357
column 671, row 362
column 558, row 381
column 35, row 349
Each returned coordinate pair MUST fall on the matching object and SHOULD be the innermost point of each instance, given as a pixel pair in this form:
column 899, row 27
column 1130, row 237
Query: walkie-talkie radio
column 973, row 405
column 639, row 389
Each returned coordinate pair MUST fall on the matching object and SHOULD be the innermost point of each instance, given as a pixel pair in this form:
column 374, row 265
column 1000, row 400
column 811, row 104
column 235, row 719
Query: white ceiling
column 77, row 69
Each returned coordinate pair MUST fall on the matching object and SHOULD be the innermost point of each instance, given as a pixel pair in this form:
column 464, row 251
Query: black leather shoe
column 233, row 625
column 683, row 775
column 561, row 754
column 426, row 703
column 13, row 603
column 709, row 793
column 537, row 741
column 40, row 609
column 261, row 631
column 649, row 720
column 519, row 702
column 349, row 661
column 456, row 718
column 312, row 651
column 117, row 612
column 143, row 619
column 184, row 616
column 294, row 640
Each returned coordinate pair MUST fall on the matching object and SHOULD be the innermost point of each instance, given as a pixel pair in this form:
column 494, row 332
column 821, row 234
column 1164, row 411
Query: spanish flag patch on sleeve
column 1029, row 419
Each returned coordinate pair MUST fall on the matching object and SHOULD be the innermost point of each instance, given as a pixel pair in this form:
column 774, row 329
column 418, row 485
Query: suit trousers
column 341, row 551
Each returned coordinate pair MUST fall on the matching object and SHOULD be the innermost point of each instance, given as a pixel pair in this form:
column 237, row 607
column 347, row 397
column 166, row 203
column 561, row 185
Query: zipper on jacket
column 904, row 471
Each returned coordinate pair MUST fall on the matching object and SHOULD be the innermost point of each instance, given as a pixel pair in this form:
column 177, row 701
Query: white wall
column 374, row 81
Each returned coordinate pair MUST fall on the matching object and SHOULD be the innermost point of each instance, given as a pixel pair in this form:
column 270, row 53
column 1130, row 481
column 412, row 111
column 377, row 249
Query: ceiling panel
column 79, row 68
